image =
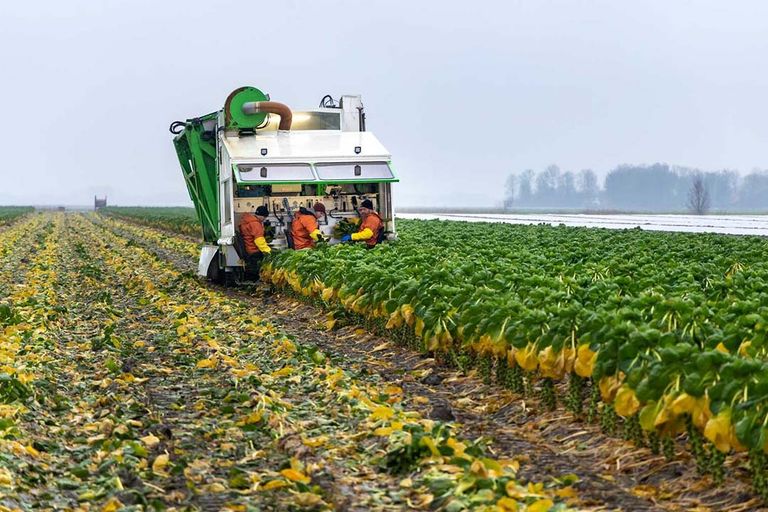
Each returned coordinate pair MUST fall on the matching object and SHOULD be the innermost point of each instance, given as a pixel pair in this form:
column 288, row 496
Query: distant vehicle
column 257, row 152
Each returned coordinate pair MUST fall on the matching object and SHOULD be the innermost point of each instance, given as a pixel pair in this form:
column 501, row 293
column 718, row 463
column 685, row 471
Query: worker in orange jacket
column 252, row 228
column 304, row 228
column 370, row 227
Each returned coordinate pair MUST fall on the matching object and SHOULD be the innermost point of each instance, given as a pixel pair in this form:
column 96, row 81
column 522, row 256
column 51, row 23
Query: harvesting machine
column 257, row 152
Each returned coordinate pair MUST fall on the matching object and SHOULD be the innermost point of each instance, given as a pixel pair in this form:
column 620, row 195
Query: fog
column 462, row 94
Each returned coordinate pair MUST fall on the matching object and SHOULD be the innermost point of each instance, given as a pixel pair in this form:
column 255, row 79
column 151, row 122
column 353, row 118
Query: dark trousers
column 253, row 265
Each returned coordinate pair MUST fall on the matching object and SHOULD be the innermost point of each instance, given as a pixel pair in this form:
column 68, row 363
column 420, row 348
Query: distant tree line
column 657, row 187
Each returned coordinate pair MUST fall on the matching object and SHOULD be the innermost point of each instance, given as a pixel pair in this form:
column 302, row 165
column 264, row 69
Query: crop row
column 134, row 385
column 666, row 330
column 10, row 213
column 178, row 219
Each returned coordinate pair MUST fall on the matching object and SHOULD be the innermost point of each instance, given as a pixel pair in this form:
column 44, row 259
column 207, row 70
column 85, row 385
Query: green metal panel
column 197, row 155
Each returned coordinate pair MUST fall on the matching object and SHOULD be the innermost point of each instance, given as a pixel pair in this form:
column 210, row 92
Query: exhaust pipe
column 271, row 107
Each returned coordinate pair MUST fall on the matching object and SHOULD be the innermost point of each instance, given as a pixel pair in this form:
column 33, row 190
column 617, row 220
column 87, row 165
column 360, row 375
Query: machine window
column 275, row 172
column 354, row 171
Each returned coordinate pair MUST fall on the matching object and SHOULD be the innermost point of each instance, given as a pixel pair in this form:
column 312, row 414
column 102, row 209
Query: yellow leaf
column 419, row 327
column 406, row 483
column 206, row 363
column 395, row 320
column 274, row 484
column 541, row 505
column 585, row 361
column 507, row 504
column 566, row 492
column 626, row 403
column 407, row 312
column 296, row 476
column 160, row 463
column 609, row 386
column 307, row 500
column 457, row 446
column 31, row 450
column 549, row 364
column 382, row 412
column 327, row 294
column 722, row 348
column 744, row 347
column 645, row 491
column 330, row 324
column 648, row 416
column 6, row 477
column 216, row 487
column 683, row 404
column 393, row 390
column 421, row 501
column 286, row 370
column 315, row 442
column 512, row 464
column 112, row 505
column 718, row 430
column 254, row 417
column 150, row 440
column 430, row 443
column 526, row 358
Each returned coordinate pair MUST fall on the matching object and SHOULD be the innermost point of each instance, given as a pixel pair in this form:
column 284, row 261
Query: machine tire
column 230, row 279
column 215, row 273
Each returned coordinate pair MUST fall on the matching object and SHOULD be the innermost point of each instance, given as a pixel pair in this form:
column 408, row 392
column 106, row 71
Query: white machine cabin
column 325, row 158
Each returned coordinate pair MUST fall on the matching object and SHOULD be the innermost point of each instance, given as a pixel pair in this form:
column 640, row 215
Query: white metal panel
column 350, row 118
column 207, row 253
column 226, row 195
column 306, row 146
column 231, row 257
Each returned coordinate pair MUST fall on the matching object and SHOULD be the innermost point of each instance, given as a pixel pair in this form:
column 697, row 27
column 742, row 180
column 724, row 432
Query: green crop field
column 180, row 219
column 666, row 332
column 464, row 366
column 10, row 213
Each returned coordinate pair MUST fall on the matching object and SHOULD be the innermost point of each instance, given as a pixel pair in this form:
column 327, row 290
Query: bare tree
column 698, row 196
column 511, row 189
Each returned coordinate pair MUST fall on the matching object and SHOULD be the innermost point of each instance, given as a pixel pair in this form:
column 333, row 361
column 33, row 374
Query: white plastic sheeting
column 725, row 224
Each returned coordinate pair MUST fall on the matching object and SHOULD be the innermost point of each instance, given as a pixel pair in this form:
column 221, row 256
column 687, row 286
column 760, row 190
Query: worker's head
column 319, row 210
column 262, row 212
column 366, row 207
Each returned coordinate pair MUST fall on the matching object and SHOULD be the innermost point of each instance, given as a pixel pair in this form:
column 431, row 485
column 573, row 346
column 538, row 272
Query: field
column 128, row 383
column 9, row 213
column 465, row 366
column 181, row 220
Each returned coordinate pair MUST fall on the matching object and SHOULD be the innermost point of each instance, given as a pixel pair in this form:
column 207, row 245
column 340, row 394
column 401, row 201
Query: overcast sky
column 461, row 93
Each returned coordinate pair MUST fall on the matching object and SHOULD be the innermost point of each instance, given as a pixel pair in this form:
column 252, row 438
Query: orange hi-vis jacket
column 252, row 230
column 369, row 229
column 304, row 230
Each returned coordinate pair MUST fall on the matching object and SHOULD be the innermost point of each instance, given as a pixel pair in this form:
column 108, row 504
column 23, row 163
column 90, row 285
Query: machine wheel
column 215, row 273
column 230, row 279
